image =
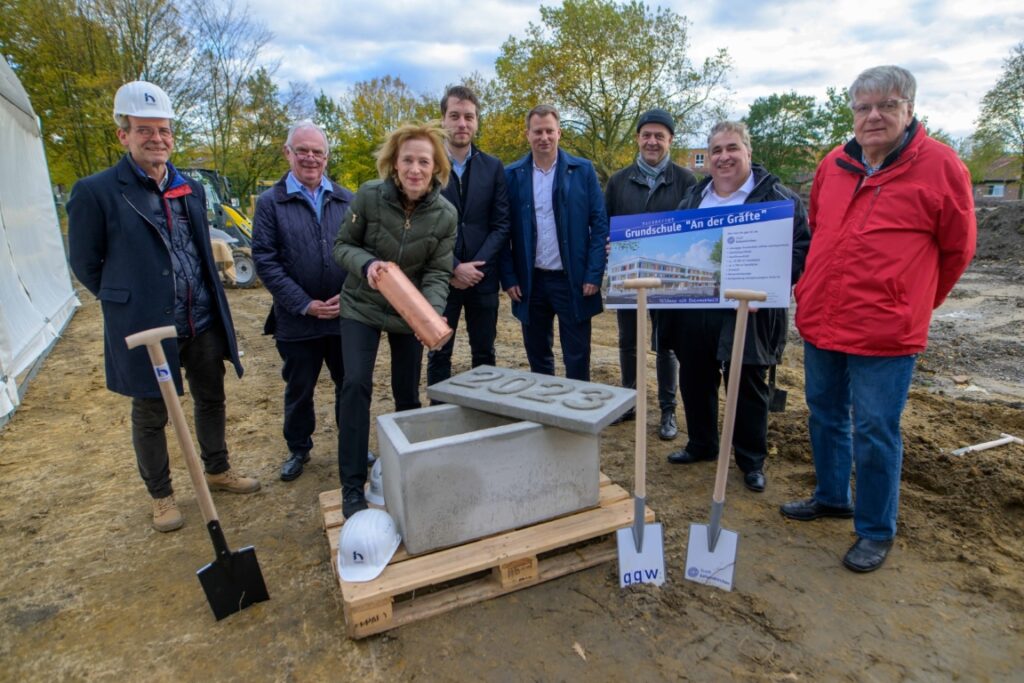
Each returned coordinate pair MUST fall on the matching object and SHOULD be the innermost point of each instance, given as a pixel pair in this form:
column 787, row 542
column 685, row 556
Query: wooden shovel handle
column 151, row 340
column 640, row 462
column 642, row 283
column 744, row 296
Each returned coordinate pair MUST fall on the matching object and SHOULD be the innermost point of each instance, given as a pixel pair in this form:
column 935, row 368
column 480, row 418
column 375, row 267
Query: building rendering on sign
column 675, row 278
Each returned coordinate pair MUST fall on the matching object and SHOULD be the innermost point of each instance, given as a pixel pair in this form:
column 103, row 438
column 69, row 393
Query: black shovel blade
column 777, row 400
column 233, row 581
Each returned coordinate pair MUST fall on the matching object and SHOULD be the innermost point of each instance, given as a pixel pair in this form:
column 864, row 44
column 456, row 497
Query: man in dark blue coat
column 476, row 187
column 294, row 229
column 557, row 254
column 139, row 240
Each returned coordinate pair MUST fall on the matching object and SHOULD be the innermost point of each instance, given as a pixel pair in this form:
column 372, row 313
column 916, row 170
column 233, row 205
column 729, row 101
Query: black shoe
column 685, row 457
column 668, row 429
column 866, row 555
column 292, row 467
column 755, row 481
column 627, row 416
column 806, row 510
column 352, row 501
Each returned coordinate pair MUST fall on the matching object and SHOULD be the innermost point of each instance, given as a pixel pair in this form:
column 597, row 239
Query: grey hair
column 737, row 127
column 302, row 125
column 884, row 80
column 122, row 121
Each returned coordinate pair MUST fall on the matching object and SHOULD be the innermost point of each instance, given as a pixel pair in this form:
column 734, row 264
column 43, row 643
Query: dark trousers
column 694, row 337
column 359, row 344
column 549, row 297
column 303, row 361
column 481, row 324
column 666, row 365
column 202, row 358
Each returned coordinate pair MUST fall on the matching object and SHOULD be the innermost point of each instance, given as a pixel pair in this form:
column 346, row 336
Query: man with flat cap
column 650, row 184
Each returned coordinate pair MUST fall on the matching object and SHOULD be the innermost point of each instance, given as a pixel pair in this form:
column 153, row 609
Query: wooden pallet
column 478, row 570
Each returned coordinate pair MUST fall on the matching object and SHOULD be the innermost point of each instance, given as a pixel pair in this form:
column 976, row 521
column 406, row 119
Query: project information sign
column 699, row 253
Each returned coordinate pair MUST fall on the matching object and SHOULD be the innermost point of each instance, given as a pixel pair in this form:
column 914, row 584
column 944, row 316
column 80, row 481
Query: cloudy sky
column 955, row 48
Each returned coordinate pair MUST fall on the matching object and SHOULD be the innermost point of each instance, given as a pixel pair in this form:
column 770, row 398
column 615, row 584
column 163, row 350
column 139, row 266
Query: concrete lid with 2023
column 570, row 404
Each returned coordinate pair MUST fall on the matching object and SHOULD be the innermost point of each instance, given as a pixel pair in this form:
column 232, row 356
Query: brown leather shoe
column 166, row 515
column 229, row 480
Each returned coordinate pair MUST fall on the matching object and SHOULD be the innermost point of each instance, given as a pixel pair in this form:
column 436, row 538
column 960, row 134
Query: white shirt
column 711, row 200
column 547, row 255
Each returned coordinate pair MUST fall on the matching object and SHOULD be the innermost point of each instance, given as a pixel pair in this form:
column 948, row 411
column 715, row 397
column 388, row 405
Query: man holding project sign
column 736, row 240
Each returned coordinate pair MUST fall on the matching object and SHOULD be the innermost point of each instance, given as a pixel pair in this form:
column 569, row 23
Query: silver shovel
column 711, row 550
column 640, row 563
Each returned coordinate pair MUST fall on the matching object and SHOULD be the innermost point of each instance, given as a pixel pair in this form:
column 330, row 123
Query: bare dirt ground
column 90, row 592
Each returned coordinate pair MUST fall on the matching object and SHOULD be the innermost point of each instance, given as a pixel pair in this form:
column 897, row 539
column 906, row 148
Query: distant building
column 696, row 160
column 1001, row 179
column 675, row 278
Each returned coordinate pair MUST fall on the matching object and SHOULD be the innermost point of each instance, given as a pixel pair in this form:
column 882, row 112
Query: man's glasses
column 307, row 152
column 149, row 132
column 883, row 107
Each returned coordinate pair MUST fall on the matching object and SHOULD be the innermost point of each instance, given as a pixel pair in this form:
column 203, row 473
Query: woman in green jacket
column 400, row 218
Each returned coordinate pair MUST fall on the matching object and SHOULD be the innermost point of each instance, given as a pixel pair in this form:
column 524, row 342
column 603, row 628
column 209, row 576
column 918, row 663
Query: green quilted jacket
column 376, row 228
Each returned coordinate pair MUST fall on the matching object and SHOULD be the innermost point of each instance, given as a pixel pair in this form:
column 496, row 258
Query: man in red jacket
column 892, row 229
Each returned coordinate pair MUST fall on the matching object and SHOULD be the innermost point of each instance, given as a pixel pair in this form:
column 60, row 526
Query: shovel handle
column 165, row 380
column 744, row 296
column 640, row 462
column 642, row 283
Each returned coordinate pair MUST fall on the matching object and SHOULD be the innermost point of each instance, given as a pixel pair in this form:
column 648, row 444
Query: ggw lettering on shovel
column 641, row 576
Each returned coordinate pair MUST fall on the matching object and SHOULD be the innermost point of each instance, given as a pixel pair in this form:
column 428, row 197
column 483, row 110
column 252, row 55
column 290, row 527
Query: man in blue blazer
column 556, row 258
column 139, row 240
column 476, row 187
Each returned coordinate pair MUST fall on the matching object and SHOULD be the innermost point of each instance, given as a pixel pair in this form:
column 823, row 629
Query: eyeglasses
column 148, row 132
column 307, row 152
column 883, row 107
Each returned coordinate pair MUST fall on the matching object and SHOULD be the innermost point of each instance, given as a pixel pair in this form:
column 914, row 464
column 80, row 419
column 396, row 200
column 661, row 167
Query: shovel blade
column 233, row 582
column 777, row 400
column 638, row 523
column 711, row 567
column 646, row 565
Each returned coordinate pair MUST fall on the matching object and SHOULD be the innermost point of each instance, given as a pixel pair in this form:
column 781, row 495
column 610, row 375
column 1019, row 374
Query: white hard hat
column 368, row 540
column 375, row 494
column 142, row 99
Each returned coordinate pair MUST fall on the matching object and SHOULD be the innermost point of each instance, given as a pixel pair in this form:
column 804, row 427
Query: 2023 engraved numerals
column 529, row 388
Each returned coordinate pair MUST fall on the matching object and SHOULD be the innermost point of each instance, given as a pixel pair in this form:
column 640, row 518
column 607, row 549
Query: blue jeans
column 856, row 403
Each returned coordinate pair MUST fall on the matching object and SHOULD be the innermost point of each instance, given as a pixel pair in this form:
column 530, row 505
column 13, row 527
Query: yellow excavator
column 230, row 230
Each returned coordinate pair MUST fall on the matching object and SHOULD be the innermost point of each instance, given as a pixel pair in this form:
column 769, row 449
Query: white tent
column 36, row 296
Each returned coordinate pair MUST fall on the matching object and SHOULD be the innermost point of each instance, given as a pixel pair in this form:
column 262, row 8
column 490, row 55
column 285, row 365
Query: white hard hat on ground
column 142, row 99
column 368, row 540
column 375, row 494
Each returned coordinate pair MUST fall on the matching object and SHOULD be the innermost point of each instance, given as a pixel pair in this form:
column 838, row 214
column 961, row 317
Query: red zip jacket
column 886, row 249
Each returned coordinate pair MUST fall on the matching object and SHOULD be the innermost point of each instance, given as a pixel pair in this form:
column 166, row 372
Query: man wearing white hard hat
column 139, row 240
